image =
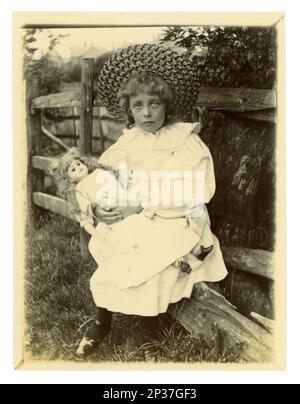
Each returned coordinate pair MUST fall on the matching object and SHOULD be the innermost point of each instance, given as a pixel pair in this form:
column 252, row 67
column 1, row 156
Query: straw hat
column 176, row 70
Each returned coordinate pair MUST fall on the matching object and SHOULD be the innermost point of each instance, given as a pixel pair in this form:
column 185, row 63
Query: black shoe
column 87, row 346
column 204, row 252
column 185, row 267
column 92, row 338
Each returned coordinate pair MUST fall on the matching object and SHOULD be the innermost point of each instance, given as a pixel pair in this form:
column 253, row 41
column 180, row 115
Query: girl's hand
column 127, row 210
column 107, row 216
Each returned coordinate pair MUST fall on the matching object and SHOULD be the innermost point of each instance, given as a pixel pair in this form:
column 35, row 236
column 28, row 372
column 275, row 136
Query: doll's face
column 148, row 111
column 77, row 171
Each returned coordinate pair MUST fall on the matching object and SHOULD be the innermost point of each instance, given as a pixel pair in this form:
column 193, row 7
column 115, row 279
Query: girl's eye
column 73, row 170
column 78, row 164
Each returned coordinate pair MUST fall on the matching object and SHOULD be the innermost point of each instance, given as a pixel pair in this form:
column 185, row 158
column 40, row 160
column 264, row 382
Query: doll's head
column 147, row 101
column 70, row 169
column 77, row 171
column 66, row 179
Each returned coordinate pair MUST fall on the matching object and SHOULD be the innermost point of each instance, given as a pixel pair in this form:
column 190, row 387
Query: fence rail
column 42, row 163
column 222, row 99
column 58, row 100
column 52, row 203
column 237, row 99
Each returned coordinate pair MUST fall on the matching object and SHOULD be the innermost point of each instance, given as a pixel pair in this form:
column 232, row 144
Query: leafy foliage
column 229, row 56
column 72, row 69
column 45, row 67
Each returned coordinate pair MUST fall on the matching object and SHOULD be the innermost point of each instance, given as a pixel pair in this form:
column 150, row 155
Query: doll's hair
column 155, row 85
column 66, row 189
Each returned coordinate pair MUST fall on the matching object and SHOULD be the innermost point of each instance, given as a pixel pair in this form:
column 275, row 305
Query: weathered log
column 208, row 315
column 268, row 324
column 247, row 293
column 254, row 261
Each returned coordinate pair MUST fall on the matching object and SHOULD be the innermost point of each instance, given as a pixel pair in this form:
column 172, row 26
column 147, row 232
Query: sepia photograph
column 149, row 166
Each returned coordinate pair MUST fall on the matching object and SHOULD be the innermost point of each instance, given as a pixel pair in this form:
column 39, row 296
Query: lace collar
column 168, row 137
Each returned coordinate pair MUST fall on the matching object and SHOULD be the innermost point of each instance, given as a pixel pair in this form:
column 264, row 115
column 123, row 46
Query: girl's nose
column 146, row 111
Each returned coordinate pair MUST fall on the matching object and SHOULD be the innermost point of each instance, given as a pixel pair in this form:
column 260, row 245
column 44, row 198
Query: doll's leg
column 201, row 252
column 197, row 249
column 183, row 264
column 96, row 332
column 199, row 226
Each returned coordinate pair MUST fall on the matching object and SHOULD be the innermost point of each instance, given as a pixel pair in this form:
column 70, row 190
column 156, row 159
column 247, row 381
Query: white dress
column 135, row 273
column 130, row 243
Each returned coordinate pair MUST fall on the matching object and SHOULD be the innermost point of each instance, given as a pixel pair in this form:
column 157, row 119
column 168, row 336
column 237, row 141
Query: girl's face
column 148, row 111
column 77, row 171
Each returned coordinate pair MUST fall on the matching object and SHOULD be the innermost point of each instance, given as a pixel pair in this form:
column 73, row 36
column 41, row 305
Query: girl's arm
column 124, row 205
column 116, row 214
column 125, row 211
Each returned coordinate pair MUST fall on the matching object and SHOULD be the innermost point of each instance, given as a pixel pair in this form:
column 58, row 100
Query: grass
column 59, row 308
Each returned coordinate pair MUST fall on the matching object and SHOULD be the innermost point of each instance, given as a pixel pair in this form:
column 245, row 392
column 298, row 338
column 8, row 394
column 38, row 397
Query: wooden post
column 35, row 178
column 87, row 102
column 101, row 132
column 74, row 111
column 86, row 127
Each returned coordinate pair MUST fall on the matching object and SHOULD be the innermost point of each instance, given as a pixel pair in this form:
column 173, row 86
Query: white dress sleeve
column 114, row 155
column 205, row 165
column 117, row 157
column 86, row 213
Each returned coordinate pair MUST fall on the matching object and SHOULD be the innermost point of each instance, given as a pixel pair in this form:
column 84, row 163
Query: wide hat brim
column 176, row 70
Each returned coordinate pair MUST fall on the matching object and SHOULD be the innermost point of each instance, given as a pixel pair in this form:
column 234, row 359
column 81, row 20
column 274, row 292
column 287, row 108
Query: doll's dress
column 136, row 242
column 144, row 289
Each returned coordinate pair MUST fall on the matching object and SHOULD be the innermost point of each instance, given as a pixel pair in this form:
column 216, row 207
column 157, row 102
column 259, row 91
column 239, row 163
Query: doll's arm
column 91, row 230
column 88, row 227
column 126, row 203
column 85, row 214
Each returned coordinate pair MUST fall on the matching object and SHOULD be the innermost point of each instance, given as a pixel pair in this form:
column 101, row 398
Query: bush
column 46, row 68
column 229, row 56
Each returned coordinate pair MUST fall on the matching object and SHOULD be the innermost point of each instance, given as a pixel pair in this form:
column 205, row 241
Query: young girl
column 130, row 242
column 154, row 90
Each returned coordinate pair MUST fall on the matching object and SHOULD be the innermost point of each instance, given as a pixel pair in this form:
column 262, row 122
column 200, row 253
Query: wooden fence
column 253, row 104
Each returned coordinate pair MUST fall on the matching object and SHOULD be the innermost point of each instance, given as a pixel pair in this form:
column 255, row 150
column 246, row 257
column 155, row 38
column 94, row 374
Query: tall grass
column 59, row 308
